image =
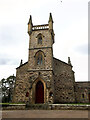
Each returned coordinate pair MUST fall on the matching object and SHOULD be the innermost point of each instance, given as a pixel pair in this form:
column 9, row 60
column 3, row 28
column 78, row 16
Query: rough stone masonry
column 44, row 79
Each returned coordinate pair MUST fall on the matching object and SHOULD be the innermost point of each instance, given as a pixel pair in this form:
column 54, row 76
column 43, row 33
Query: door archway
column 39, row 96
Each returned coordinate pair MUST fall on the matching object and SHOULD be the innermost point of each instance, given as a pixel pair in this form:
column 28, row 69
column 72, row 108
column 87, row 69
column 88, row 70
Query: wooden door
column 39, row 92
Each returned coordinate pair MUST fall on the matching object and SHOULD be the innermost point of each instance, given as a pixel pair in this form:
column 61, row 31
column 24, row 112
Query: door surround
column 34, row 90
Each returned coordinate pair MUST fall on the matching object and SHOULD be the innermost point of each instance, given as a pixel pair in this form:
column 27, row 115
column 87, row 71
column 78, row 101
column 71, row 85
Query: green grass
column 10, row 103
column 55, row 103
column 74, row 103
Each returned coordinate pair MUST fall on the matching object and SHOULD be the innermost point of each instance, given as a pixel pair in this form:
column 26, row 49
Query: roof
column 22, row 65
column 62, row 61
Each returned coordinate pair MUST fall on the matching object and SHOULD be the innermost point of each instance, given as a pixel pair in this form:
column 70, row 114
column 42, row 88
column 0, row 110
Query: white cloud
column 7, row 70
column 70, row 26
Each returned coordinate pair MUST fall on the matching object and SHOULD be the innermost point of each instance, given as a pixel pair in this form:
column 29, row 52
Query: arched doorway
column 39, row 97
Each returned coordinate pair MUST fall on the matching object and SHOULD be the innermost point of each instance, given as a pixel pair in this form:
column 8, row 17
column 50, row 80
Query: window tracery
column 39, row 38
column 39, row 57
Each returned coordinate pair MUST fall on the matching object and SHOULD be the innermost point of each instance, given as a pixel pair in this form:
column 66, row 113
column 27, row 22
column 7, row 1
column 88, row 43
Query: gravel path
column 45, row 114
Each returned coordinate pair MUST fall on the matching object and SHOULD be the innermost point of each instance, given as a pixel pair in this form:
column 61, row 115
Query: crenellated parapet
column 48, row 26
column 40, row 27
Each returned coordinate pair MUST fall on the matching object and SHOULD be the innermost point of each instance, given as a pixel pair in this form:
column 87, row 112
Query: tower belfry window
column 39, row 60
column 40, row 40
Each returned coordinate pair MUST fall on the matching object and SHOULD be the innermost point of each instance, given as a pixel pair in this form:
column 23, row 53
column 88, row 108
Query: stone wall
column 63, row 82
column 47, row 59
column 46, row 39
column 41, row 72
column 46, row 78
column 20, row 84
column 26, row 82
column 82, row 90
column 45, row 47
column 57, row 76
column 30, row 73
column 62, row 88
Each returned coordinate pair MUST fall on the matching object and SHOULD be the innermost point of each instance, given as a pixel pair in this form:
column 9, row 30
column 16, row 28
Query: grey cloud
column 82, row 49
column 12, row 38
column 7, row 60
column 11, row 35
column 3, row 61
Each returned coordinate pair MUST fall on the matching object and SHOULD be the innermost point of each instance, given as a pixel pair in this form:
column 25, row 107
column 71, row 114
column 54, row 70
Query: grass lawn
column 54, row 104
column 10, row 103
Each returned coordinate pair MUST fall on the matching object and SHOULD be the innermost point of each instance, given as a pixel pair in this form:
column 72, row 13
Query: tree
column 10, row 83
column 7, row 86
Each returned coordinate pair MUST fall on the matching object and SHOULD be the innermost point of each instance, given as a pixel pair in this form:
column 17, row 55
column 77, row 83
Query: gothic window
column 39, row 58
column 40, row 39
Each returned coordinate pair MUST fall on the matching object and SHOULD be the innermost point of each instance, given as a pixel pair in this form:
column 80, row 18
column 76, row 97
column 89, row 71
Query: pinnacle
column 30, row 20
column 50, row 17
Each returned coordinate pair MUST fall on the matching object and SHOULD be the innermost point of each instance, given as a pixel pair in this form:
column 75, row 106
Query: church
column 44, row 79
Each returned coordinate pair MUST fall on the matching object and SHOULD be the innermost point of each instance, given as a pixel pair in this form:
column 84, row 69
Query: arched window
column 39, row 58
column 40, row 39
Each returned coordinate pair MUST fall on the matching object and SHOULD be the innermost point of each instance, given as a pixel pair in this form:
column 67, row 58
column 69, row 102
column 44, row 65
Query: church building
column 44, row 79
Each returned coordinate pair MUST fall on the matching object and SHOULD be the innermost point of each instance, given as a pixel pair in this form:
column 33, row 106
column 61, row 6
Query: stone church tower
column 45, row 79
column 34, row 79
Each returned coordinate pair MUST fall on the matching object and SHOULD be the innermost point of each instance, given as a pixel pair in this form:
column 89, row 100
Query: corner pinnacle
column 50, row 17
column 30, row 20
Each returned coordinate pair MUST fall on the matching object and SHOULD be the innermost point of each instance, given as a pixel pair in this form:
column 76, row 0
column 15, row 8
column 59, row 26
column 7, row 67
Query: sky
column 70, row 26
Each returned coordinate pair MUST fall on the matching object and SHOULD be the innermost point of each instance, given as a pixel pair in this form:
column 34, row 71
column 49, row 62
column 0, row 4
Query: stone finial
column 30, row 20
column 50, row 18
column 30, row 24
column 69, row 61
column 50, row 22
column 21, row 62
